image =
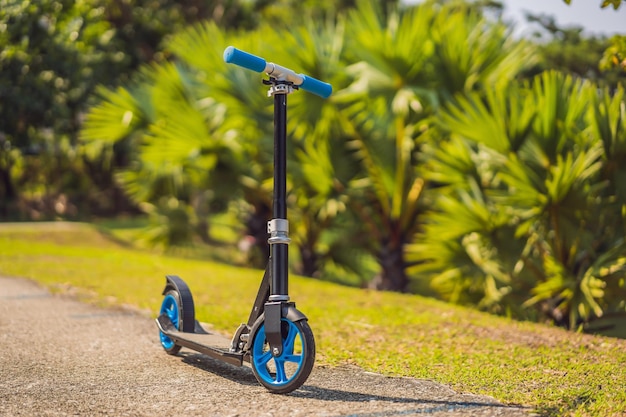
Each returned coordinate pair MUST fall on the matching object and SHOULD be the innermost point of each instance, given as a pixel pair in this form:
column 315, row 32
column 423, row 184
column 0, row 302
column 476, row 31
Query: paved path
column 60, row 357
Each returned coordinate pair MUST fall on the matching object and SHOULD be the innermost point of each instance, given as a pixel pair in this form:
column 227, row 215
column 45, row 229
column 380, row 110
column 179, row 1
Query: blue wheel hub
column 279, row 370
column 169, row 307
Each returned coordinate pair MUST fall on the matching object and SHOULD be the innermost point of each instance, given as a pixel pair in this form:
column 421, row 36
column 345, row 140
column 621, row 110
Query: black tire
column 287, row 372
column 171, row 306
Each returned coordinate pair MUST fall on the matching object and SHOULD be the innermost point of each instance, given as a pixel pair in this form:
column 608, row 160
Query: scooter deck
column 213, row 345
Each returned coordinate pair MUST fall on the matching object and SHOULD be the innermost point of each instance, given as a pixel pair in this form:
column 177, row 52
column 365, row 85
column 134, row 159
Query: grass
column 550, row 370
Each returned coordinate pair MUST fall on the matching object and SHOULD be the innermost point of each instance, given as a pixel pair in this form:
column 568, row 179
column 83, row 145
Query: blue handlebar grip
column 315, row 86
column 236, row 56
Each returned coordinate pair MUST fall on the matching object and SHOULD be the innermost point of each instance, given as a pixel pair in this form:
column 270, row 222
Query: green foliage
column 605, row 3
column 615, row 55
column 53, row 54
column 178, row 145
column 320, row 165
column 569, row 50
column 405, row 68
column 538, row 224
column 375, row 174
column 243, row 166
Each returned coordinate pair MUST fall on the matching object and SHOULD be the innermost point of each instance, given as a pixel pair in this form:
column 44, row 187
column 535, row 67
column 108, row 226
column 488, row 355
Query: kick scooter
column 277, row 340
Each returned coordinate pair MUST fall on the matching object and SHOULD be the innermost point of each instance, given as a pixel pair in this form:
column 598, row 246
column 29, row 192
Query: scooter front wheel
column 288, row 371
column 172, row 307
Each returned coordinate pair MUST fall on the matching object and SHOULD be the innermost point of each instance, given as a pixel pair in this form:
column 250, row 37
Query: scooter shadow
column 243, row 375
column 422, row 405
column 240, row 374
column 327, row 394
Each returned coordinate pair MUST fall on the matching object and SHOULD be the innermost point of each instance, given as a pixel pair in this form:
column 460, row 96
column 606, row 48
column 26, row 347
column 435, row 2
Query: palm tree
column 406, row 66
column 248, row 124
column 178, row 147
column 320, row 166
column 536, row 226
column 232, row 105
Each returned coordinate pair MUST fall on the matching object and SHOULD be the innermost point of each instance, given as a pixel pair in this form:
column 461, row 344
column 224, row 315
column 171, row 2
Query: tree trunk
column 7, row 193
column 200, row 205
column 256, row 226
column 392, row 276
column 309, row 260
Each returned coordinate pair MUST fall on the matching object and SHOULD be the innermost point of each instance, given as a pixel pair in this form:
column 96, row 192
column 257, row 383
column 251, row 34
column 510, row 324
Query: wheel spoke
column 263, row 359
column 281, row 376
column 288, row 343
column 293, row 358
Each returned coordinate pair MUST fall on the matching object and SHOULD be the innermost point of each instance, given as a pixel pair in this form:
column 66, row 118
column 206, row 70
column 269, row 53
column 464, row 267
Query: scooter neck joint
column 278, row 230
column 278, row 298
column 279, row 87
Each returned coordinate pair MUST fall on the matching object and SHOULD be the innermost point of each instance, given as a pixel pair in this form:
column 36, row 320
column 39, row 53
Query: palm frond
column 472, row 53
column 501, row 119
column 563, row 103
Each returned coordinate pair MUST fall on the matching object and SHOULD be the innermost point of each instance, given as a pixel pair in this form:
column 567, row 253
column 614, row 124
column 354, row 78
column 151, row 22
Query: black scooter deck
column 213, row 345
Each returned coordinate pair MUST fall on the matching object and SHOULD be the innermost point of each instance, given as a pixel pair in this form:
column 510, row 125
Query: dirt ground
column 61, row 357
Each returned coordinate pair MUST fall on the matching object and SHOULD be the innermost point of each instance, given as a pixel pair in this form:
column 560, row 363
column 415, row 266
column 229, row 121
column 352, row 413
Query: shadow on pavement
column 311, row 390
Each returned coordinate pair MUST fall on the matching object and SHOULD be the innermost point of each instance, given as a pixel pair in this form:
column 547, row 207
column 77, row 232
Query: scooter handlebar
column 315, row 86
column 236, row 56
column 246, row 60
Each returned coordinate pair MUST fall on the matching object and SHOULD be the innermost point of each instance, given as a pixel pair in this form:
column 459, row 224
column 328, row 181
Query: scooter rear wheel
column 171, row 306
column 287, row 372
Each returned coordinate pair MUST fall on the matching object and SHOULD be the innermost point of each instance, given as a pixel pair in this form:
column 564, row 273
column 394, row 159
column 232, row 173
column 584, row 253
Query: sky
column 585, row 13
